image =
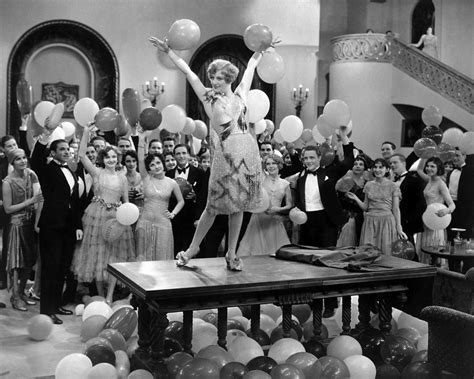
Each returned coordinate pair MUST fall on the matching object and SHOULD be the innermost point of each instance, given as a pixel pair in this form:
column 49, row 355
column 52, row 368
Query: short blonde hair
column 229, row 70
column 275, row 158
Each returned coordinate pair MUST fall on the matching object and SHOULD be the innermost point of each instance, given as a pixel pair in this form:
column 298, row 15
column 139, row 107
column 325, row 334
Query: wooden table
column 162, row 287
column 456, row 262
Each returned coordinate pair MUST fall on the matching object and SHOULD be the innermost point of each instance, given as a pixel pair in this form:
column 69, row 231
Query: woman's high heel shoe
column 18, row 304
column 31, row 294
column 234, row 264
column 182, row 258
column 27, row 301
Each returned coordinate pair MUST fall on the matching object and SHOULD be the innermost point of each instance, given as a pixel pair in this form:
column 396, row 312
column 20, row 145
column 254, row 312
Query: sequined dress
column 265, row 233
column 236, row 172
column 94, row 253
column 430, row 45
column 379, row 227
column 153, row 233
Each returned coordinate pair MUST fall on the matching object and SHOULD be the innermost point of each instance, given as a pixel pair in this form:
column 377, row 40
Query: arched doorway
column 67, row 33
column 423, row 17
column 233, row 49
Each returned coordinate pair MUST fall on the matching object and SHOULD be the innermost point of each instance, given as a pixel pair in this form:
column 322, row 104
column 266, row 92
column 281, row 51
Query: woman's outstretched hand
column 160, row 44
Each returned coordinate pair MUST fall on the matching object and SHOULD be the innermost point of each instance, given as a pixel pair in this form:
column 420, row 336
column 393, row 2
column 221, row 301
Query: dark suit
column 183, row 223
column 59, row 220
column 463, row 216
column 412, row 204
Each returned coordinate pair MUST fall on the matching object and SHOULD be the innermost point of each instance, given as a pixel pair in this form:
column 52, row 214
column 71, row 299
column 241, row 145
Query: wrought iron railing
column 429, row 71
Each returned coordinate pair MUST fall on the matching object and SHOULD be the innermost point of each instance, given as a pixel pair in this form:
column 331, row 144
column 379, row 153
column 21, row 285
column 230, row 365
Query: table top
column 438, row 251
column 208, row 276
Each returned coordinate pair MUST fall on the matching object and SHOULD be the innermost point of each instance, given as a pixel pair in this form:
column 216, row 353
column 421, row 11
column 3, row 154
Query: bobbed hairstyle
column 364, row 162
column 151, row 157
column 103, row 153
column 129, row 153
column 384, row 163
column 439, row 165
column 229, row 70
column 275, row 158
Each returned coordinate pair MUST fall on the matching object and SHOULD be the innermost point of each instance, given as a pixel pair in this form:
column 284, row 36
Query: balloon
column 298, row 216
column 270, row 126
column 432, row 132
column 184, row 34
column 150, row 118
column 146, row 103
column 277, row 334
column 420, row 356
column 260, row 126
column 140, row 374
column 271, row 310
column 432, row 220
column 402, row 248
column 303, row 360
column 131, row 105
column 317, row 136
column 327, row 154
column 199, row 368
column 98, row 341
column 405, row 321
column 57, row 133
column 260, row 336
column 73, row 366
column 306, row 135
column 285, row 370
column 291, row 128
column 189, row 126
column 420, row 370
column 79, row 309
column 387, row 371
column 92, row 326
column 424, row 148
column 39, row 327
column 329, row 367
column 308, row 332
column 466, row 144
column 216, row 354
column 431, row 116
column 54, row 117
column 397, row 351
column 258, row 37
column 123, row 128
column 324, row 127
column 233, row 370
column 267, row 324
column 243, row 321
column 452, row 136
column 115, row 338
column 262, row 363
column 175, row 330
column 265, row 202
column 411, row 334
column 174, row 118
column 85, row 110
column 315, row 347
column 127, row 214
column 176, row 362
column 102, row 371
column 232, row 334
column 445, row 152
column 69, row 128
column 370, row 341
column 360, row 367
column 96, row 308
column 277, row 137
column 256, row 374
column 282, row 349
column 42, row 110
column 344, row 346
column 107, row 119
column 171, row 346
column 244, row 348
column 200, row 130
column 204, row 335
column 132, row 346
column 422, row 343
column 258, row 105
column 337, row 113
column 24, row 95
column 124, row 320
column 196, row 145
column 271, row 67
column 100, row 354
column 233, row 311
column 112, row 230
column 122, row 364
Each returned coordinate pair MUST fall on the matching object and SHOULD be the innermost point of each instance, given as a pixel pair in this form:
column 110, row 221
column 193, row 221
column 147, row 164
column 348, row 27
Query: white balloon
column 260, row 126
column 97, row 308
column 42, row 110
column 127, row 214
column 69, row 128
column 291, row 128
column 85, row 110
column 258, row 105
column 432, row 220
column 73, row 366
column 58, row 133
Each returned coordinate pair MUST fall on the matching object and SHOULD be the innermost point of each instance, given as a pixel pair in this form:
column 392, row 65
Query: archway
column 79, row 37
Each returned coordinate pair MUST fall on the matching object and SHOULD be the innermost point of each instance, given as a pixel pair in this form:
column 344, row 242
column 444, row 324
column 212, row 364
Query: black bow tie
column 62, row 164
column 398, row 177
column 181, row 170
column 315, row 172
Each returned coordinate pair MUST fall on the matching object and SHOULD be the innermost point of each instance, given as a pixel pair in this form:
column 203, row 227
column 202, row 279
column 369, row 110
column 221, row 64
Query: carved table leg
column 187, row 331
column 346, row 315
column 385, row 315
column 255, row 320
column 287, row 322
column 364, row 314
column 317, row 308
column 222, row 326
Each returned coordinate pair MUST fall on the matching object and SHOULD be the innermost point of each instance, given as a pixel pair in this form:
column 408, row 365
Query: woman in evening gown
column 95, row 252
column 153, row 233
column 236, row 173
column 430, row 43
column 381, row 225
column 436, row 191
column 265, row 233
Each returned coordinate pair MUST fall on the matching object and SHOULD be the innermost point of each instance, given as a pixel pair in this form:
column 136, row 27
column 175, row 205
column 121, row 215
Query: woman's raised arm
column 249, row 72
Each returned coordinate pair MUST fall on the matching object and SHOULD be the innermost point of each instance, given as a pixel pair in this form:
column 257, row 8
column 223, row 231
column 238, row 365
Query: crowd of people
column 60, row 200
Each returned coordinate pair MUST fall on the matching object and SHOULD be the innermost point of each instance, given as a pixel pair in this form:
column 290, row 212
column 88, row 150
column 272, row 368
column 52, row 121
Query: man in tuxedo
column 59, row 223
column 464, row 213
column 453, row 185
column 316, row 195
column 412, row 203
column 183, row 223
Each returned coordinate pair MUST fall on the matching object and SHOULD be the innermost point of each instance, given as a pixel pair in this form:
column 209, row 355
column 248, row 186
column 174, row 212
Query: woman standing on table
column 235, row 182
column 381, row 225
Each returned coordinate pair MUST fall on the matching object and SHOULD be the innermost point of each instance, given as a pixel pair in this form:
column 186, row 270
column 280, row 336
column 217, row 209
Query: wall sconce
column 152, row 90
column 299, row 97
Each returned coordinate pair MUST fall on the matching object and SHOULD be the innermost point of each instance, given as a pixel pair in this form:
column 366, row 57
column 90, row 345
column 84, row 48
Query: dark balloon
column 246, row 311
column 24, row 96
column 402, row 248
column 211, row 318
column 175, row 330
column 432, row 132
column 150, row 118
column 233, row 370
column 397, row 351
column 370, row 341
column 277, row 334
column 261, row 363
column 124, row 320
column 332, row 368
column 420, row 356
column 315, row 347
column 387, row 371
column 235, row 324
column 420, row 370
column 131, row 105
column 296, row 327
column 262, row 337
column 100, row 354
column 303, row 360
column 286, row 371
column 308, row 332
column 176, row 362
column 217, row 354
column 172, row 346
column 199, row 368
